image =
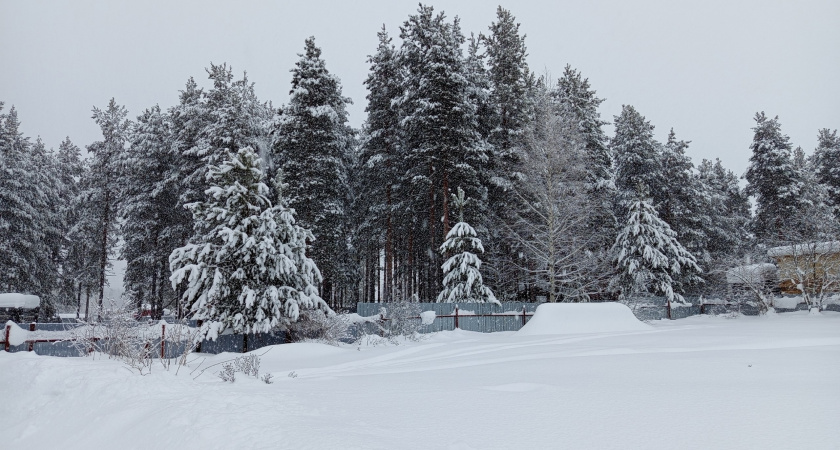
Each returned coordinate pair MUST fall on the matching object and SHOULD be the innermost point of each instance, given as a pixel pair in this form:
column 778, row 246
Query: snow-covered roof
column 14, row 300
column 805, row 248
column 753, row 273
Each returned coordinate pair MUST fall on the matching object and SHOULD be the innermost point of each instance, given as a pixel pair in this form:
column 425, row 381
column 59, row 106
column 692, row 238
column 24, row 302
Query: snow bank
column 569, row 318
column 17, row 335
column 787, row 302
column 13, row 300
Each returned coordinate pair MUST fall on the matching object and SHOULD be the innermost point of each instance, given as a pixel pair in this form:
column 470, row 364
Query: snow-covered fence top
column 15, row 300
column 481, row 317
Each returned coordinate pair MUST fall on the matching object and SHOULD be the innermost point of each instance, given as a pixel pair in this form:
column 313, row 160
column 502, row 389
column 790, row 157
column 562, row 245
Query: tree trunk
column 103, row 261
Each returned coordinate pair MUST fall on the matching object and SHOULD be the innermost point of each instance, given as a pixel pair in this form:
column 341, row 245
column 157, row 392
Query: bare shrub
column 319, row 326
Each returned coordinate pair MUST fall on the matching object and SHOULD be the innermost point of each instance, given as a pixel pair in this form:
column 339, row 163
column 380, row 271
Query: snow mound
column 19, row 301
column 573, row 318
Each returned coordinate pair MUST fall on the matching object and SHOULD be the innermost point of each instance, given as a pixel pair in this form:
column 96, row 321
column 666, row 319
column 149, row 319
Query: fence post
column 198, row 324
column 162, row 341
column 456, row 317
column 32, row 341
column 6, row 342
column 669, row 310
column 523, row 315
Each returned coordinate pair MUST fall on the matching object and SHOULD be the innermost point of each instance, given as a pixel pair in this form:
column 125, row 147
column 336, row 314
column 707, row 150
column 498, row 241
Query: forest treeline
column 558, row 210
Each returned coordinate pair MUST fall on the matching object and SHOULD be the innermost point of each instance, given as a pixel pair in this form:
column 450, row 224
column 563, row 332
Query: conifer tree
column 462, row 281
column 509, row 80
column 772, row 180
column 441, row 145
column 246, row 268
column 378, row 162
column 729, row 209
column 102, row 190
column 648, row 257
column 827, row 162
column 149, row 202
column 636, row 153
column 312, row 147
column 26, row 260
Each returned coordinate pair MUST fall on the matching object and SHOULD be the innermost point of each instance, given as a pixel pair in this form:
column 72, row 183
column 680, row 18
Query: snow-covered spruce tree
column 312, row 146
column 772, row 180
column 246, row 268
column 648, row 257
column 827, row 162
column 462, row 281
column 440, row 142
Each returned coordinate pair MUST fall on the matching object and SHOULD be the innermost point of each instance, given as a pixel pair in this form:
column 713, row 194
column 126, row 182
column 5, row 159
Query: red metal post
column 162, row 341
column 669, row 310
column 6, row 342
column 456, row 316
column 32, row 341
column 523, row 315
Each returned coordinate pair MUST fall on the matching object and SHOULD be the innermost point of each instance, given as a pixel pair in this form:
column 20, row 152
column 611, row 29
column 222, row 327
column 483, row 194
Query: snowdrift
column 573, row 318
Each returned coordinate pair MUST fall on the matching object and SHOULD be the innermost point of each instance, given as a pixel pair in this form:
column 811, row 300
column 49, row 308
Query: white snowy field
column 702, row 382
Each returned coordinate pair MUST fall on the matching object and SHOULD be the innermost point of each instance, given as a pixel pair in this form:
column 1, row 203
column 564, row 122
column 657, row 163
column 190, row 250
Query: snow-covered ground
column 702, row 382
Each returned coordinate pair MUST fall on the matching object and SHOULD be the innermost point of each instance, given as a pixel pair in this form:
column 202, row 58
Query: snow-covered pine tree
column 188, row 119
column 729, row 209
column 84, row 237
column 648, row 257
column 70, row 168
column 636, row 153
column 510, row 82
column 772, row 180
column 246, row 268
column 462, row 281
column 102, row 194
column 311, row 147
column 46, row 188
column 149, row 198
column 375, row 205
column 683, row 199
column 27, row 261
column 827, row 162
column 440, row 142
column 503, row 122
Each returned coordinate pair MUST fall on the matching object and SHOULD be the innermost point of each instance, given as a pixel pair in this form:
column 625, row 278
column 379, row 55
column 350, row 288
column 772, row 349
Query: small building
column 19, row 308
column 814, row 266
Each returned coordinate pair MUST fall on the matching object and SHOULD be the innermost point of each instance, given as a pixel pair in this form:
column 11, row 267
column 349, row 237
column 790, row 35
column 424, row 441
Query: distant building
column 814, row 266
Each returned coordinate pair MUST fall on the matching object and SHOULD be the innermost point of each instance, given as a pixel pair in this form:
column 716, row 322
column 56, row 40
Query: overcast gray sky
column 703, row 67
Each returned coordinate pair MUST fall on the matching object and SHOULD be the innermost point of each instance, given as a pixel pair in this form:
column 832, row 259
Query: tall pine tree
column 311, row 148
column 772, row 180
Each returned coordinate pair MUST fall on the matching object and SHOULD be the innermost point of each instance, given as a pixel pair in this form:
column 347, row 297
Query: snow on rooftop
column 14, row 300
column 805, row 248
column 753, row 273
